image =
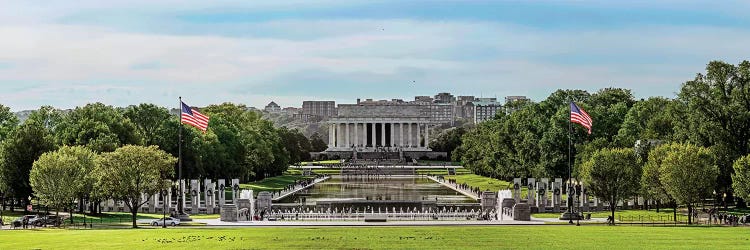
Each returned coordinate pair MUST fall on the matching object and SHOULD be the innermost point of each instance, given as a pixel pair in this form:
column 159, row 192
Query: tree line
column 711, row 111
column 238, row 144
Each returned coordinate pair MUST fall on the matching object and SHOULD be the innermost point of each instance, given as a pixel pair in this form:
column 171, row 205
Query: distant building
column 272, row 107
column 442, row 113
column 511, row 104
column 444, row 98
column 422, row 99
column 290, row 110
column 320, row 109
column 486, row 109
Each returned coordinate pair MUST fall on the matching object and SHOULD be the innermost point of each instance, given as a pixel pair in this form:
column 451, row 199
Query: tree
column 448, row 140
column 611, row 175
column 688, row 174
column 741, row 177
column 61, row 176
column 149, row 120
column 18, row 153
column 131, row 171
column 8, row 122
column 97, row 126
column 718, row 113
column 651, row 185
column 295, row 143
column 317, row 143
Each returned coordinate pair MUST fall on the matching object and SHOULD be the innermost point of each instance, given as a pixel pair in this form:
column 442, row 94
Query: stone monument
column 264, row 201
column 531, row 189
column 208, row 195
column 541, row 191
column 235, row 190
column 517, row 189
column 221, row 192
column 489, row 200
column 521, row 212
column 556, row 196
column 195, row 192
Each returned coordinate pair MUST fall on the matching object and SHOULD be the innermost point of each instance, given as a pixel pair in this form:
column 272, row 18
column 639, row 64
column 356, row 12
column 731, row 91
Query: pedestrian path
column 454, row 187
column 302, row 187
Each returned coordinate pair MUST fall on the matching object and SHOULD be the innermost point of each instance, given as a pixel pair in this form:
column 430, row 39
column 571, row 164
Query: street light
column 164, row 208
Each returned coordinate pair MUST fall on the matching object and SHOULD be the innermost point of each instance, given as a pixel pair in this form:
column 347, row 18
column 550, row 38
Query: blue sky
column 69, row 53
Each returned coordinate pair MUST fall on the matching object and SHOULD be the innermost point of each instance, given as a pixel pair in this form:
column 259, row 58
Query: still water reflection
column 394, row 188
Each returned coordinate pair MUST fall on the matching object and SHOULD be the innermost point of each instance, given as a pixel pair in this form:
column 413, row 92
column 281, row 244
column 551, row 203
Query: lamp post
column 164, row 208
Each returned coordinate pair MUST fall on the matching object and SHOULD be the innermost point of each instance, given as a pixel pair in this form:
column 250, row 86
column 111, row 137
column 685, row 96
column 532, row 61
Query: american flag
column 192, row 117
column 578, row 115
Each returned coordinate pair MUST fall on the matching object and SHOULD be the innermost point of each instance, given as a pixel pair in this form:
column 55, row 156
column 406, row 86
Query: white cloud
column 84, row 63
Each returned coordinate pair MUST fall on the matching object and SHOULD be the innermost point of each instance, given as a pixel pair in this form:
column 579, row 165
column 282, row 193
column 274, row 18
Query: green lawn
column 320, row 162
column 448, row 237
column 273, row 183
column 484, row 183
column 442, row 171
column 629, row 215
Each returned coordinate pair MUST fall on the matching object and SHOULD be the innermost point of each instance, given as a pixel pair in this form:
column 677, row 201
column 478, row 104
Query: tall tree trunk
column 658, row 204
column 674, row 212
column 690, row 214
column 12, row 205
column 134, row 212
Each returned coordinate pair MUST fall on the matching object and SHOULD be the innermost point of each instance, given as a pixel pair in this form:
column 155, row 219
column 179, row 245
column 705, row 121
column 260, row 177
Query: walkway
column 297, row 189
column 454, row 187
column 217, row 222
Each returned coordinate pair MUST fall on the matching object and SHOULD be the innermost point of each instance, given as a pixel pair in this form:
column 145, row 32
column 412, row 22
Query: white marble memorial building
column 379, row 127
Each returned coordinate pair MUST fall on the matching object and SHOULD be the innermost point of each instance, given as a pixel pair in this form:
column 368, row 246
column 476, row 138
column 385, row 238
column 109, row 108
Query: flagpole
column 179, row 165
column 570, row 176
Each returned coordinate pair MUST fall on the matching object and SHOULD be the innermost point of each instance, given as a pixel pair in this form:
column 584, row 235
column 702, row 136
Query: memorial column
column 401, row 134
column 427, row 135
column 419, row 136
column 382, row 134
column 356, row 134
column 348, row 144
column 411, row 142
column 331, row 135
column 374, row 138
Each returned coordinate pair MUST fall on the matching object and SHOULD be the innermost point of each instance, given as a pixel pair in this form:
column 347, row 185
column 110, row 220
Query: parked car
column 169, row 221
column 19, row 222
column 46, row 220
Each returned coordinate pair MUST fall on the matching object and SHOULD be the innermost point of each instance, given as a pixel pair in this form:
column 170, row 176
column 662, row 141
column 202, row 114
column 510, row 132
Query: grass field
column 273, row 183
column 463, row 237
column 484, row 183
column 629, row 215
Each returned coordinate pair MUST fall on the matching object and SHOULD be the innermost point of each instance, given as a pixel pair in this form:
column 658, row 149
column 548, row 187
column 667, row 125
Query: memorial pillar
column 401, row 134
column 356, row 134
column 347, row 136
column 427, row 135
column 393, row 135
column 332, row 135
column 419, row 136
column 374, row 138
column 382, row 134
column 410, row 133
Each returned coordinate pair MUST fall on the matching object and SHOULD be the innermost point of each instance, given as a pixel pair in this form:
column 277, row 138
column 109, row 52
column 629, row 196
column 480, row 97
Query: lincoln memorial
column 380, row 131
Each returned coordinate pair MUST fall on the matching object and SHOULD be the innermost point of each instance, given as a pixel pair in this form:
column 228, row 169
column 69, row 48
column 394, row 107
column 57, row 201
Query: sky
column 69, row 53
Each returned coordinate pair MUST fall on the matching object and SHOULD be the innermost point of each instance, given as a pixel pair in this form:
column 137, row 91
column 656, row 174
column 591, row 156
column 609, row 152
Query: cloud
column 288, row 60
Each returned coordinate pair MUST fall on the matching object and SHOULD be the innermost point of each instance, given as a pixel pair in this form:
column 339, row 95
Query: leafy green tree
column 651, row 185
column 150, row 121
column 647, row 119
column 317, row 143
column 131, row 171
column 612, row 175
column 688, row 174
column 8, row 122
column 741, row 177
column 97, row 126
column 60, row 177
column 718, row 113
column 18, row 153
column 295, row 143
column 448, row 140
